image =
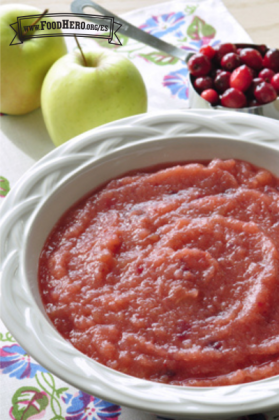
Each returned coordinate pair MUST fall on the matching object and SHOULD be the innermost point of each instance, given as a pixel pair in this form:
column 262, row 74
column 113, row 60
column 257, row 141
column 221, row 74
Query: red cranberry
column 233, row 98
column 271, row 60
column 211, row 96
column 213, row 71
column 239, row 75
column 199, row 65
column 203, row 83
column 266, row 75
column 208, row 51
column 241, row 78
column 230, row 61
column 223, row 49
column 252, row 58
column 252, row 87
column 262, row 49
column 265, row 93
column 222, row 81
column 275, row 82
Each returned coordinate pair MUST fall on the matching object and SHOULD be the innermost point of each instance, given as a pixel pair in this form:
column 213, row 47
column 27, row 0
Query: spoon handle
column 132, row 31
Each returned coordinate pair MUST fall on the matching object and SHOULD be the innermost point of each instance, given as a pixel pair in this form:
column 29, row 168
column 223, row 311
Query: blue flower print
column 16, row 363
column 177, row 82
column 86, row 407
column 164, row 24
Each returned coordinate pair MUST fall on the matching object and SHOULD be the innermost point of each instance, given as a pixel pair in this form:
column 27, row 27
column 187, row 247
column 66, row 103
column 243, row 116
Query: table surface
column 260, row 18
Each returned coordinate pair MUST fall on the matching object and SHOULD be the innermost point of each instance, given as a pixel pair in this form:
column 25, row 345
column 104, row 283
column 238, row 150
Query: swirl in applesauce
column 173, row 275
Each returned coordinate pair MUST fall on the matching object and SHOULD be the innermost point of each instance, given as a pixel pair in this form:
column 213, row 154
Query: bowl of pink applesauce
column 149, row 275
column 171, row 275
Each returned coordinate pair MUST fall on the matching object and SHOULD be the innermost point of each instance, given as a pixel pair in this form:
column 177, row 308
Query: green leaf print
column 28, row 402
column 8, row 337
column 189, row 10
column 208, row 31
column 47, row 383
column 4, row 186
column 60, row 391
column 199, row 29
column 159, row 58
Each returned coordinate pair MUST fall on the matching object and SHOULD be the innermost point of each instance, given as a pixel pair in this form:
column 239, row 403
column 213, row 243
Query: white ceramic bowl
column 65, row 175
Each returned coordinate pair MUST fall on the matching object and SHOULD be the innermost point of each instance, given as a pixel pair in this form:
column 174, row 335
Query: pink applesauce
column 172, row 275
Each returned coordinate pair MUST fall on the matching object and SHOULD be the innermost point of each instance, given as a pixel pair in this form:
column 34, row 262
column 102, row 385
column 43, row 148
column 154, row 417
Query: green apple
column 77, row 97
column 24, row 66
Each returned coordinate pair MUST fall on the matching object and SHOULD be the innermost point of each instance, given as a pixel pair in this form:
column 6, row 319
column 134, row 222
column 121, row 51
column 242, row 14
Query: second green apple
column 78, row 97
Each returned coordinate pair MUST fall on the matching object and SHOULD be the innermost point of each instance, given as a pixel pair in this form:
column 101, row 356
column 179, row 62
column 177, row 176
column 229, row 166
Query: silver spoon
column 195, row 100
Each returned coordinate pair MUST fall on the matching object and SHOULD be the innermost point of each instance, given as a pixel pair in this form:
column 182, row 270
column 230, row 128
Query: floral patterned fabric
column 44, row 397
column 28, row 391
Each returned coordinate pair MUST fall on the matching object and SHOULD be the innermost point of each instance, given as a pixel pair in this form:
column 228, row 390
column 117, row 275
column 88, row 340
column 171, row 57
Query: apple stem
column 84, row 59
column 36, row 21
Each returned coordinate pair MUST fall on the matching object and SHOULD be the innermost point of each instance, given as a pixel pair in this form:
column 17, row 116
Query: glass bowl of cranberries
column 241, row 77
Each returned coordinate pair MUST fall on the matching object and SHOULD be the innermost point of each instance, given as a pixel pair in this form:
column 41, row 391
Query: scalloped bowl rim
column 194, row 402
